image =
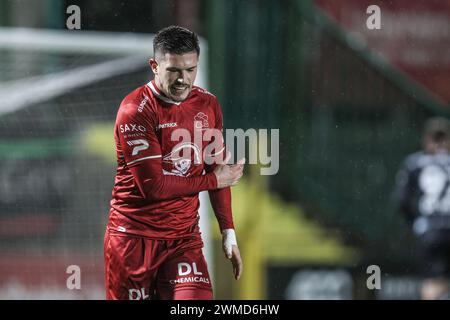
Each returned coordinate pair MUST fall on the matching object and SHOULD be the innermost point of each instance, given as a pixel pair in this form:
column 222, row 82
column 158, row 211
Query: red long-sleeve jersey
column 161, row 148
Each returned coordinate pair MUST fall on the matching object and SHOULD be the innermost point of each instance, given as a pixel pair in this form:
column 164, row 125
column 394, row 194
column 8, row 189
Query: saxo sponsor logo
column 132, row 127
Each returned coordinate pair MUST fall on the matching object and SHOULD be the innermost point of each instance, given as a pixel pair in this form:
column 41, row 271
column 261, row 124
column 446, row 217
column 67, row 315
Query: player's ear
column 153, row 65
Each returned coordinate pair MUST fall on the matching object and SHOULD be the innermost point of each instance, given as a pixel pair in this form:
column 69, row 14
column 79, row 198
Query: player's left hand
column 231, row 251
column 237, row 262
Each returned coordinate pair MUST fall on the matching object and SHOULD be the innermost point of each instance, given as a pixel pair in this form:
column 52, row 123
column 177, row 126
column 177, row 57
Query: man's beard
column 179, row 95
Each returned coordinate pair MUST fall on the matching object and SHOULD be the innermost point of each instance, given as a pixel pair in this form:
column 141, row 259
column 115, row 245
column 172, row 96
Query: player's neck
column 160, row 94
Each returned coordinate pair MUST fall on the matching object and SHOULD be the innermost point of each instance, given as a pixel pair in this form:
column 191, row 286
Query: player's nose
column 185, row 76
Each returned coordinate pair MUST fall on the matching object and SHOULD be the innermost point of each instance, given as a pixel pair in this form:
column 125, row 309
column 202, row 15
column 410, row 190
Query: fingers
column 228, row 251
column 238, row 176
column 227, row 157
column 235, row 182
column 237, row 168
column 232, row 252
column 237, row 262
column 237, row 272
column 229, row 175
column 239, row 164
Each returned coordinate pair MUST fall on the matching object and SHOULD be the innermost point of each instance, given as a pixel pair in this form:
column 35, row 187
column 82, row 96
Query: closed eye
column 180, row 70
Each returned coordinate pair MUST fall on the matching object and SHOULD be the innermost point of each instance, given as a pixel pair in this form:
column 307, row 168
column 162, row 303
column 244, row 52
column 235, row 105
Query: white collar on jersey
column 160, row 96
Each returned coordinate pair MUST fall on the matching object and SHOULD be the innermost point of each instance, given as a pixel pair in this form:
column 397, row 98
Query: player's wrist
column 213, row 180
column 229, row 240
column 230, row 235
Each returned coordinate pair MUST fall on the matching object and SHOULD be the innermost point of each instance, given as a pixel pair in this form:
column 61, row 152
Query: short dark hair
column 177, row 40
column 437, row 129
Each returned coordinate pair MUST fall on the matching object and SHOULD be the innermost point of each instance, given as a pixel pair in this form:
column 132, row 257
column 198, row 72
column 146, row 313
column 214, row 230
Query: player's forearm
column 163, row 187
column 221, row 204
column 167, row 187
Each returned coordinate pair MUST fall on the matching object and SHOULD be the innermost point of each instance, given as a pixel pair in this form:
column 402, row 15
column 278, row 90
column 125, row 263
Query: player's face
column 175, row 74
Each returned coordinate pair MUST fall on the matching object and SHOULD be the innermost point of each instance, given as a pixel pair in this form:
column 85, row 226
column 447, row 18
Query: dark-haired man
column 423, row 196
column 153, row 247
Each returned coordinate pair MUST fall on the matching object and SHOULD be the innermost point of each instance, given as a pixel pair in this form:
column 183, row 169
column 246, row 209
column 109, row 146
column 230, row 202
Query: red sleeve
column 220, row 198
column 142, row 154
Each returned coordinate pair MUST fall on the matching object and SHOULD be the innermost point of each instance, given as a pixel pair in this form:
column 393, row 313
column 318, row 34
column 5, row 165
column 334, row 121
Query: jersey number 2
column 139, row 145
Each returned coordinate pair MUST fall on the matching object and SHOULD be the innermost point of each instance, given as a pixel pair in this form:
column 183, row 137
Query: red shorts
column 138, row 268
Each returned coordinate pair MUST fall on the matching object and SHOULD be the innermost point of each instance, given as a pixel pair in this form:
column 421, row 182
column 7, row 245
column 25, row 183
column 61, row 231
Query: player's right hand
column 229, row 175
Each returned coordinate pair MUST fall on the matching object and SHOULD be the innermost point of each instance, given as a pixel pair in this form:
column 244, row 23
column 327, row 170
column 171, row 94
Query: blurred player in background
column 153, row 246
column 423, row 196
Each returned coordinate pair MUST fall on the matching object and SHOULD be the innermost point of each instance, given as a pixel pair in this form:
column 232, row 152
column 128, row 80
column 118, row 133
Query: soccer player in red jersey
column 153, row 246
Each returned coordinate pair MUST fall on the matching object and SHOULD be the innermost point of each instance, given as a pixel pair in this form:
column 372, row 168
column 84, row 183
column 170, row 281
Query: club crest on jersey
column 201, row 121
column 181, row 158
